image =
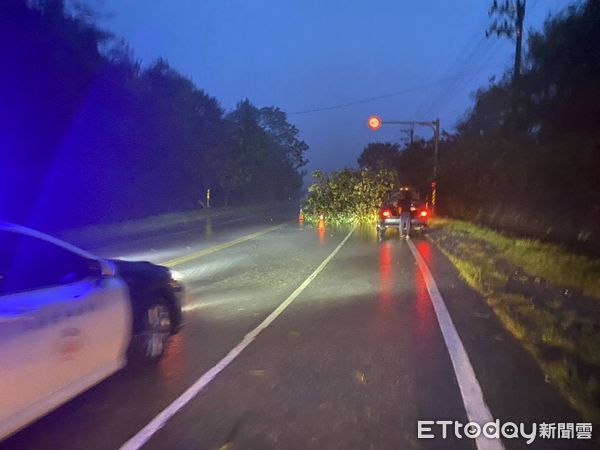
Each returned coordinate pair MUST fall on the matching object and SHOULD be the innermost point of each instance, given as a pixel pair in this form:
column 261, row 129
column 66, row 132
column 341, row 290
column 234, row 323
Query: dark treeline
column 87, row 135
column 538, row 172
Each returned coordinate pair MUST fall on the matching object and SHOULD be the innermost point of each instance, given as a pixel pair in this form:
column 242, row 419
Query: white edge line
column 470, row 390
column 161, row 419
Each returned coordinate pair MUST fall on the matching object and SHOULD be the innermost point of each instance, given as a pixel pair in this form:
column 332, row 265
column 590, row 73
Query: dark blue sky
column 305, row 54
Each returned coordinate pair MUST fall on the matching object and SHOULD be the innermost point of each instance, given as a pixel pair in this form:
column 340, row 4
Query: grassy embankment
column 546, row 296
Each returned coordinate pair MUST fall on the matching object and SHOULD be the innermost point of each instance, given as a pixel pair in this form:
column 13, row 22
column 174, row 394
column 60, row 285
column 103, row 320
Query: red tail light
column 423, row 213
column 385, row 213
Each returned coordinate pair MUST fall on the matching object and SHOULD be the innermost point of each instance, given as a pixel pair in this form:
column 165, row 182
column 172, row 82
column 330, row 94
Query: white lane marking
column 470, row 390
column 161, row 419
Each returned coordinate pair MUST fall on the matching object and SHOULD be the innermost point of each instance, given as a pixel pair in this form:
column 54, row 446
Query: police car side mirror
column 100, row 270
column 107, row 269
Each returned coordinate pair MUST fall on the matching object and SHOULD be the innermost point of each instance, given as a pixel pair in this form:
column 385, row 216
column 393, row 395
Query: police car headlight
column 177, row 276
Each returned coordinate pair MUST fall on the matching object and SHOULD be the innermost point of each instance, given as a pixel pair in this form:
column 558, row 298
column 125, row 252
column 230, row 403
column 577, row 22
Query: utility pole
column 510, row 16
column 519, row 32
column 411, row 134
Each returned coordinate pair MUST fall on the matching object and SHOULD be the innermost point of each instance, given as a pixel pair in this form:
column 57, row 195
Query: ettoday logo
column 430, row 429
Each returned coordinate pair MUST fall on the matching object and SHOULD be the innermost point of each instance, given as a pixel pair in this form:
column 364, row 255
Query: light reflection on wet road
column 354, row 362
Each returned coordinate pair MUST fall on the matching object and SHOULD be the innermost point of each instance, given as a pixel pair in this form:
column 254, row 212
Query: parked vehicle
column 389, row 212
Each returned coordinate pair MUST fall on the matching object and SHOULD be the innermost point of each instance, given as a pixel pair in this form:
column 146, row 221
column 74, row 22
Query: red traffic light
column 374, row 123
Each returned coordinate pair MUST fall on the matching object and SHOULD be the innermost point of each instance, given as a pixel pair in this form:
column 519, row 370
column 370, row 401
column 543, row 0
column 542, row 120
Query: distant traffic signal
column 374, row 123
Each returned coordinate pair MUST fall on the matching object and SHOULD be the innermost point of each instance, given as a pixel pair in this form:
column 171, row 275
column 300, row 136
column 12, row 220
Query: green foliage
column 558, row 329
column 553, row 155
column 284, row 136
column 411, row 165
column 348, row 196
column 379, row 156
column 415, row 165
column 552, row 262
column 261, row 158
column 116, row 141
column 561, row 90
column 536, row 173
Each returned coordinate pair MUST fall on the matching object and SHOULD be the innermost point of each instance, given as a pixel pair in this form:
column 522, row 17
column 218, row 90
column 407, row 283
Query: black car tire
column 156, row 320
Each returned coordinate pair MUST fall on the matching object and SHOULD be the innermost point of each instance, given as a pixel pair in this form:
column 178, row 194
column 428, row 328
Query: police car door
column 63, row 327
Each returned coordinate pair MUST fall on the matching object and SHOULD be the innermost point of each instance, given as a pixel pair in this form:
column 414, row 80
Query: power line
column 474, row 47
column 379, row 97
column 508, row 21
column 458, row 88
column 473, row 51
column 445, row 98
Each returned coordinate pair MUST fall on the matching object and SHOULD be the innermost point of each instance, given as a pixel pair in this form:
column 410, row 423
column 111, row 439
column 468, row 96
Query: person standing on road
column 404, row 205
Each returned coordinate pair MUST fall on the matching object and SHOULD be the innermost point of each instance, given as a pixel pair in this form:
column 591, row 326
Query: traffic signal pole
column 435, row 126
column 436, row 144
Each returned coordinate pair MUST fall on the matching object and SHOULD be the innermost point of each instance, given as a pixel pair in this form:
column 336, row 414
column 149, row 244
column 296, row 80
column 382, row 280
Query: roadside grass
column 545, row 296
column 549, row 261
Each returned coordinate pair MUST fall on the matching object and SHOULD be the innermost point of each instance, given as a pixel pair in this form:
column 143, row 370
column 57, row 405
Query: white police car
column 67, row 319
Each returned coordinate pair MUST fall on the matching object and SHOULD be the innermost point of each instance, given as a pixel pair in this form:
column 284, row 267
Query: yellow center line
column 219, row 247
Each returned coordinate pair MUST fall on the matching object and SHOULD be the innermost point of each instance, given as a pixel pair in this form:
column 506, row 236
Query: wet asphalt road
column 352, row 363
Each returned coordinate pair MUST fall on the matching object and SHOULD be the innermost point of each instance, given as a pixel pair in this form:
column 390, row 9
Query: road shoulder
column 513, row 384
